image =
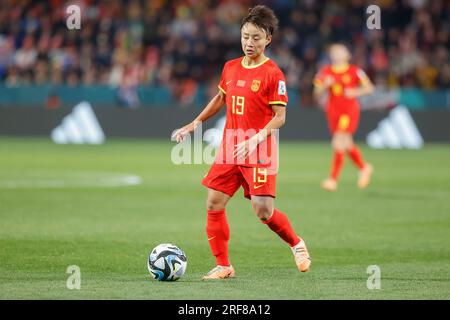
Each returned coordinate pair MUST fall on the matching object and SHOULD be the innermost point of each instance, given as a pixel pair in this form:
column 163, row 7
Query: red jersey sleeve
column 278, row 90
column 222, row 84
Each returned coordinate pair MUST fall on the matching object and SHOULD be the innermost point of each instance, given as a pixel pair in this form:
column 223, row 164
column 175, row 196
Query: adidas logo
column 396, row 131
column 79, row 127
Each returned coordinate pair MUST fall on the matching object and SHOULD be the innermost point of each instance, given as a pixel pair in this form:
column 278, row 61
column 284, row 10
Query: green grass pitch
column 54, row 213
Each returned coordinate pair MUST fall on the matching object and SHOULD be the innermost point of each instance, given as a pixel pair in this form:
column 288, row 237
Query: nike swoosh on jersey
column 257, row 187
column 209, row 239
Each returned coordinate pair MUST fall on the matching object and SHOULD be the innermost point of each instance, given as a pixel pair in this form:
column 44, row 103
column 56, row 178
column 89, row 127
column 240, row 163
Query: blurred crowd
column 181, row 44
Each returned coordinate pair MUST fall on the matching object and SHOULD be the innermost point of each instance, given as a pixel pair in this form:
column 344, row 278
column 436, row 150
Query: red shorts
column 227, row 178
column 346, row 121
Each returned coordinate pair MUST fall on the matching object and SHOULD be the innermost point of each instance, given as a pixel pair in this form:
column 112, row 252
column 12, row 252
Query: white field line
column 83, row 180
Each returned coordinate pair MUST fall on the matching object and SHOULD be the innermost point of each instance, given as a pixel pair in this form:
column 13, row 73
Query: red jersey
column 350, row 76
column 250, row 93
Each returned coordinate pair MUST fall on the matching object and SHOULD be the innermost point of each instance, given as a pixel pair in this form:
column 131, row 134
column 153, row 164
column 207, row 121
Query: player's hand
column 351, row 93
column 328, row 81
column 243, row 149
column 180, row 134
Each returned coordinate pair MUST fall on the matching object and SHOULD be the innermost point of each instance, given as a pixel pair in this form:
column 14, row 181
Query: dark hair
column 263, row 17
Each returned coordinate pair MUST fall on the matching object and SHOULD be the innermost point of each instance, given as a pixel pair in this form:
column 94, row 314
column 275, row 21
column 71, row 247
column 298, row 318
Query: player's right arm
column 210, row 110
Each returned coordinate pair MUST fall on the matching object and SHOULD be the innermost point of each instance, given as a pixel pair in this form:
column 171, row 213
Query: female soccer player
column 254, row 91
column 343, row 82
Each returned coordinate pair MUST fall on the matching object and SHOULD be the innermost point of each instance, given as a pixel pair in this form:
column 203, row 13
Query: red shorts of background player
column 227, row 178
column 346, row 121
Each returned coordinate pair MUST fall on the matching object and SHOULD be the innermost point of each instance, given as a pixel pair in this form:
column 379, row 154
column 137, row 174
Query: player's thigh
column 216, row 200
column 332, row 119
column 223, row 177
column 338, row 141
column 342, row 141
column 258, row 181
column 354, row 121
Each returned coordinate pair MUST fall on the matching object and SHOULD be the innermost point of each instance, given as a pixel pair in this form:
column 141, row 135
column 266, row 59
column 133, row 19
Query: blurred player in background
column 254, row 91
column 344, row 83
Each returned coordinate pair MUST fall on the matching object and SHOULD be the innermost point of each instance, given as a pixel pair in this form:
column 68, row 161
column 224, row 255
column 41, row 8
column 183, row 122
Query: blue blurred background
column 163, row 53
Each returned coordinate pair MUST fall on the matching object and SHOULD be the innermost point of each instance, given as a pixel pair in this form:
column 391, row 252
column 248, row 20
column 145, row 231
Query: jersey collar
column 256, row 65
column 340, row 69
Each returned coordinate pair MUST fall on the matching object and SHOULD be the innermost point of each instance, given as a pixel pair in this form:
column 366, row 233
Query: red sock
column 218, row 233
column 336, row 168
column 279, row 223
column 356, row 157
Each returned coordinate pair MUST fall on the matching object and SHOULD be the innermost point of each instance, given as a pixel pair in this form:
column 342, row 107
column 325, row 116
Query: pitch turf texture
column 54, row 214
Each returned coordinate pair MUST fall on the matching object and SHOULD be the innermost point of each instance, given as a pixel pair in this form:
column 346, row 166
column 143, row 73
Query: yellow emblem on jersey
column 255, row 85
column 337, row 89
column 346, row 78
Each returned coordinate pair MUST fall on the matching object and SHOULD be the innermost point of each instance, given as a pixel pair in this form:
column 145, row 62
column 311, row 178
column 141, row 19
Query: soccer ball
column 167, row 262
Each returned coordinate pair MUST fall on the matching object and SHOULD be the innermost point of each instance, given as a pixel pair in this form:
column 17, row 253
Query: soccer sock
column 356, row 156
column 279, row 223
column 336, row 168
column 218, row 233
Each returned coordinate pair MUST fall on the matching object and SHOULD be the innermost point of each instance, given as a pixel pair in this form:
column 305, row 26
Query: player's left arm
column 275, row 123
column 366, row 86
column 243, row 149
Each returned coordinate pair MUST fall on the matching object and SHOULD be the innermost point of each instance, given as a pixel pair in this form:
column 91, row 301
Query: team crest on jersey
column 255, row 85
column 346, row 78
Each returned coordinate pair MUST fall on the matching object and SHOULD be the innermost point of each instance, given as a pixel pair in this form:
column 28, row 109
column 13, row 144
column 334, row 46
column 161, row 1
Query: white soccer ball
column 167, row 262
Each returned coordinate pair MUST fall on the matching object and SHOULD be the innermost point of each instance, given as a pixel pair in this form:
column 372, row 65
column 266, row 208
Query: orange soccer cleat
column 329, row 184
column 301, row 255
column 220, row 272
column 365, row 175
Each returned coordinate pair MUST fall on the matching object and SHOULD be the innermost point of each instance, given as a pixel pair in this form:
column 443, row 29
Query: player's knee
column 337, row 145
column 215, row 204
column 342, row 142
column 263, row 210
column 348, row 143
